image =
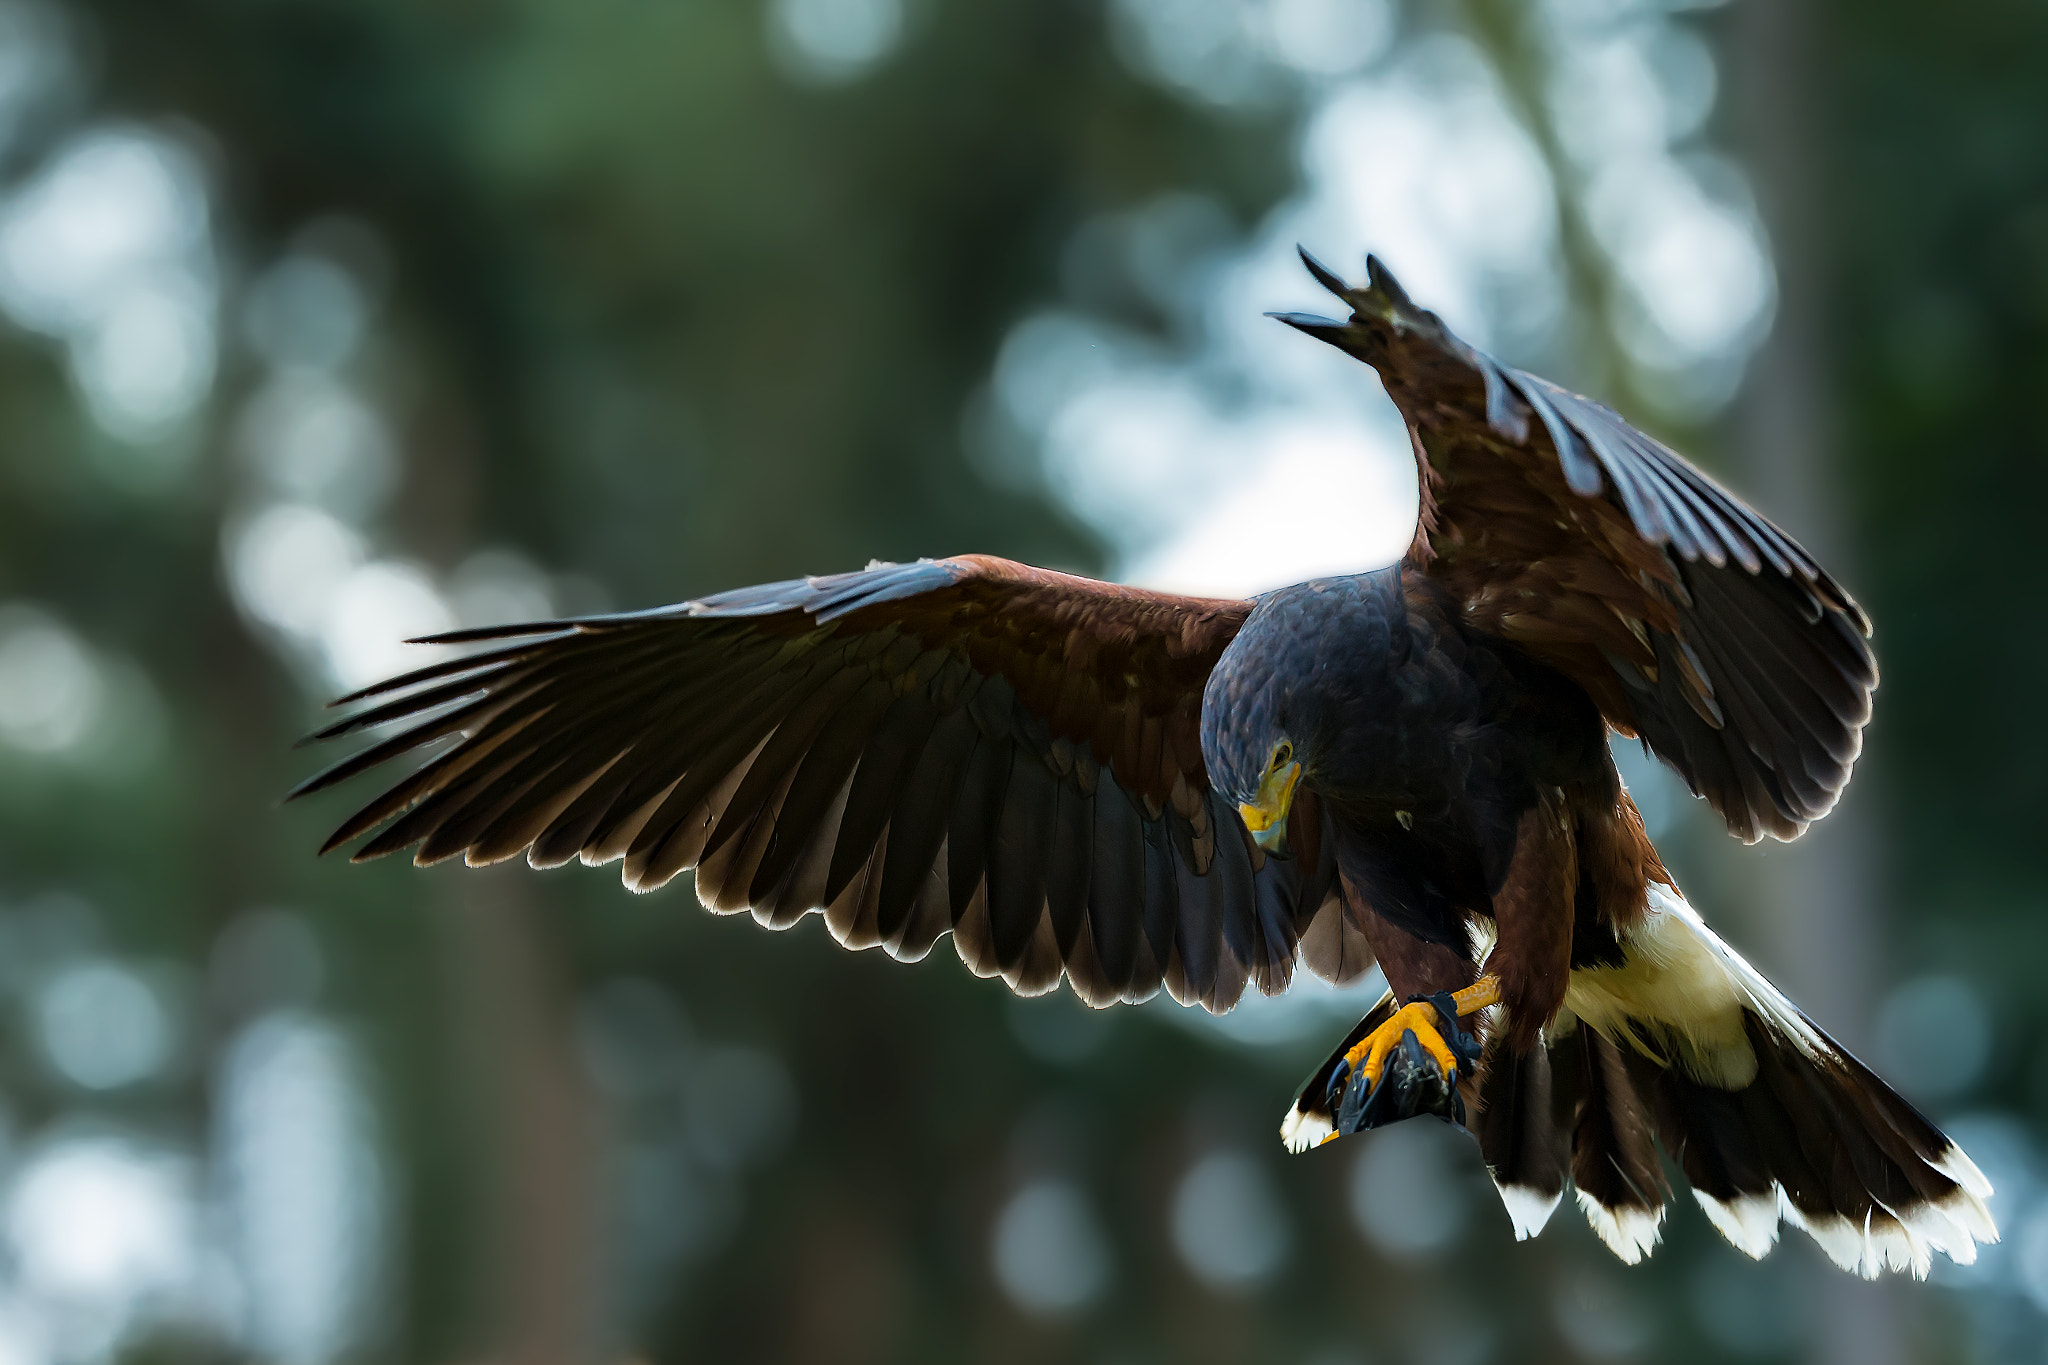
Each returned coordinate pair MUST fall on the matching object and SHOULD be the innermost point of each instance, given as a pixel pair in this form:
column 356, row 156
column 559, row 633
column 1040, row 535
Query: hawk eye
column 1283, row 754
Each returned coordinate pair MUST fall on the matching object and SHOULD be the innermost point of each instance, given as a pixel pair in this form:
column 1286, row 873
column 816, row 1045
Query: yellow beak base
column 1266, row 815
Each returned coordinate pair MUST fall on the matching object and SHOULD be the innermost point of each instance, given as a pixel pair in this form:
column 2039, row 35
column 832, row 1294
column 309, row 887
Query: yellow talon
column 1371, row 1052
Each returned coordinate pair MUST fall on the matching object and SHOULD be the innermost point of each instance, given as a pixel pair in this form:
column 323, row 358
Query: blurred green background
column 328, row 322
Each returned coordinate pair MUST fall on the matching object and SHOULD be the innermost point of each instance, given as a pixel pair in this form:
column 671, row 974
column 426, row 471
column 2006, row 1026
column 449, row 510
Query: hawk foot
column 1407, row 1066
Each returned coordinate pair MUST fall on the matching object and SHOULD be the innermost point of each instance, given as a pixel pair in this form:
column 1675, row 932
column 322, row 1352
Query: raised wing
column 1692, row 621
column 964, row 745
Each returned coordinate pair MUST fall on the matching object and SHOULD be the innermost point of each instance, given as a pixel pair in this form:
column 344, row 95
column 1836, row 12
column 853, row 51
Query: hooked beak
column 1266, row 814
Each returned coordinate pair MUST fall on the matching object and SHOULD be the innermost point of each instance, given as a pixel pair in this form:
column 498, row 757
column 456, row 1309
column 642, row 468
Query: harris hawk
column 1129, row 789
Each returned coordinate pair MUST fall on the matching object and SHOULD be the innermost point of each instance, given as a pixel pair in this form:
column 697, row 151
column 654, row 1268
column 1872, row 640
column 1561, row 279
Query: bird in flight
column 1131, row 789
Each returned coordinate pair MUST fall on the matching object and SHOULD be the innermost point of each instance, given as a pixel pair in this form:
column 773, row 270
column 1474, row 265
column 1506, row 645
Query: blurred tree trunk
column 538, row 1275
column 1816, row 911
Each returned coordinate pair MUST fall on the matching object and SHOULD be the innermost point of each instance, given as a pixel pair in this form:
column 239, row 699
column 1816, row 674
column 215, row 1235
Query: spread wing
column 964, row 745
column 1692, row 621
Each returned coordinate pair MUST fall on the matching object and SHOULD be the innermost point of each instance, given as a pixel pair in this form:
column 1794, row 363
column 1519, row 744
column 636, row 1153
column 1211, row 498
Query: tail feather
column 1882, row 1201
column 1719, row 1139
column 1767, row 1116
column 1615, row 1169
column 1684, row 1045
column 1523, row 1138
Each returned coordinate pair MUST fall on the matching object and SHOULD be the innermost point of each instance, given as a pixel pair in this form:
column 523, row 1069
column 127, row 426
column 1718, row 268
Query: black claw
column 1351, row 1112
column 1333, row 1093
column 1420, row 1086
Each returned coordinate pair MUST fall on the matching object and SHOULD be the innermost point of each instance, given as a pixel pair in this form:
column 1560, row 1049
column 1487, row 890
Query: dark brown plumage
column 1690, row 620
column 1131, row 789
column 968, row 746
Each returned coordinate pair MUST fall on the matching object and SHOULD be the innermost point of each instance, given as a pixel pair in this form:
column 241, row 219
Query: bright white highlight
column 1362, row 517
column 113, row 209
column 108, row 247
column 304, row 573
column 1629, row 91
column 375, row 610
column 102, row 1232
column 1429, row 169
column 1301, row 1130
column 287, row 562
column 1424, row 165
column 1697, row 268
column 1422, row 161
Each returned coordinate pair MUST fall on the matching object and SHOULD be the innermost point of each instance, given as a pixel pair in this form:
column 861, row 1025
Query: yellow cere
column 1276, row 794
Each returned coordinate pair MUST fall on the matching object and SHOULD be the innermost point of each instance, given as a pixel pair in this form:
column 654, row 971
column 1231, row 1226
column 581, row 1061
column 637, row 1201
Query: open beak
column 1266, row 814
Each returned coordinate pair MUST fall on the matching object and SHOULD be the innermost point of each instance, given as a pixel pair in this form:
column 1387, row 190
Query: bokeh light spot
column 97, row 1221
column 830, row 42
column 311, row 439
column 376, row 610
column 1600, row 1319
column 1405, row 1193
column 496, row 586
column 286, row 563
column 1329, row 37
column 109, row 246
column 149, row 361
column 51, row 689
column 306, row 313
column 1050, row 1254
column 305, row 1184
column 102, row 1026
column 1228, row 1224
column 1934, row 1036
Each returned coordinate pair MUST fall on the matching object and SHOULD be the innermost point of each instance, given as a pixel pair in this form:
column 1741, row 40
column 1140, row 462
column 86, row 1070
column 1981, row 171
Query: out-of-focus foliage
column 1943, row 318
column 337, row 320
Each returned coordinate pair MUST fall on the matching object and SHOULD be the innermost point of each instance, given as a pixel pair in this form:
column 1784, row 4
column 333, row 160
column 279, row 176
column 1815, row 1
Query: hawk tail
column 1686, row 1046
